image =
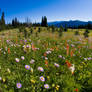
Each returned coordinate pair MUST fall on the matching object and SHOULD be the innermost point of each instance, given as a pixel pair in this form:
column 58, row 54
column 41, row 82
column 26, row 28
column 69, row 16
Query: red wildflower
column 76, row 90
column 45, row 54
column 71, row 53
column 33, row 47
column 67, row 49
column 68, row 63
column 46, row 62
column 8, row 50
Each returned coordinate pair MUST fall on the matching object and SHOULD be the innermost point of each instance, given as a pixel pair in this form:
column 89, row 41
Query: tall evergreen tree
column 65, row 29
column 44, row 22
column 61, row 31
column 15, row 23
column 2, row 22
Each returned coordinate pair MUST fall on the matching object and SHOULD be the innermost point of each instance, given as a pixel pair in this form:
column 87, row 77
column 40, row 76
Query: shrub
column 31, row 31
column 39, row 29
column 86, row 33
column 25, row 33
column 77, row 32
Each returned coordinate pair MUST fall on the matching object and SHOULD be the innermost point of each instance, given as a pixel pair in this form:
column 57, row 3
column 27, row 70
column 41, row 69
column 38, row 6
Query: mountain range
column 70, row 23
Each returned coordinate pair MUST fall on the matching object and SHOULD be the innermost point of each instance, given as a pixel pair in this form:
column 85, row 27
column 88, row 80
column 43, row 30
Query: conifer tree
column 65, row 29
column 61, row 31
column 44, row 22
column 2, row 22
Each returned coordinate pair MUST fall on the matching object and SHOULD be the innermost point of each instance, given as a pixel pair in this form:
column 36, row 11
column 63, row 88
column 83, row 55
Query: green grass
column 59, row 79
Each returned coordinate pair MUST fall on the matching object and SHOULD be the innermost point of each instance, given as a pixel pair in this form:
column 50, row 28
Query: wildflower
column 27, row 46
column 76, row 90
column 53, row 85
column 17, row 60
column 57, row 87
column 18, row 85
column 42, row 78
column 30, row 40
column 46, row 62
column 71, row 53
column 72, row 68
column 45, row 54
column 57, row 65
column 41, row 69
column 46, row 58
column 46, row 86
column 22, row 57
column 33, row 47
column 7, row 41
column 27, row 67
column 63, row 57
column 0, row 78
column 31, row 70
column 67, row 49
column 72, row 45
column 52, row 49
column 4, row 52
column 32, row 61
column 48, row 52
column 85, row 59
column 4, row 79
column 25, row 40
column 57, row 73
column 8, row 70
column 68, row 64
column 60, row 56
column 48, row 77
column 32, row 81
column 8, row 50
column 89, row 58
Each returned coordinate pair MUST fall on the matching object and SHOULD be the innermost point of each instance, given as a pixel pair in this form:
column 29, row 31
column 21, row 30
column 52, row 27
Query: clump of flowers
column 19, row 85
column 27, row 67
column 27, row 48
column 48, row 52
column 41, row 69
column 17, row 60
column 57, row 87
column 42, row 78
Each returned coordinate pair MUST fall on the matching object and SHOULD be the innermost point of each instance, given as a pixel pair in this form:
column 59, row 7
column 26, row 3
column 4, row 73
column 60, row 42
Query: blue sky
column 55, row 10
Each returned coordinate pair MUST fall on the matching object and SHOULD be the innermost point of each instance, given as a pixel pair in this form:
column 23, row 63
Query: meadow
column 45, row 62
